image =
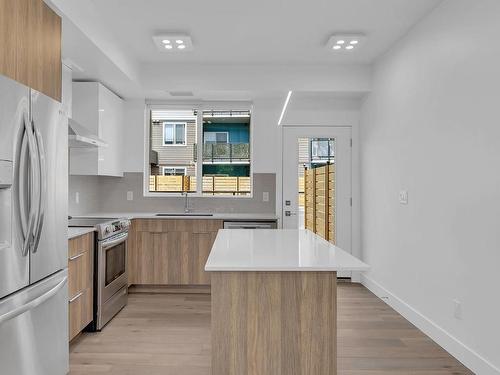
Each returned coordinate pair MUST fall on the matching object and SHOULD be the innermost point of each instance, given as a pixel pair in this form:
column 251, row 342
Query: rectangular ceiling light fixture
column 172, row 42
column 345, row 42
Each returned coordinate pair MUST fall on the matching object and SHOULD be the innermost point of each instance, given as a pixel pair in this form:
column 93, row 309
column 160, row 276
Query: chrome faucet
column 186, row 203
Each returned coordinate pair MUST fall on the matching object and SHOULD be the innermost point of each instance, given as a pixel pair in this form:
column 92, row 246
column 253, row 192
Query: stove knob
column 108, row 229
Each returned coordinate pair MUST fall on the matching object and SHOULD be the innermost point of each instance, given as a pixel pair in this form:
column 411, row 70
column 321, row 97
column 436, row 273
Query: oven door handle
column 114, row 240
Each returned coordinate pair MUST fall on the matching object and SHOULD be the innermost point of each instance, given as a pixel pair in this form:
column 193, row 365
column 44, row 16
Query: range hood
column 80, row 137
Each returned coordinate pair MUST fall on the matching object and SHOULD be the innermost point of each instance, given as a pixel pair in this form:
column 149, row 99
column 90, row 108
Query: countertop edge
column 215, row 216
column 74, row 232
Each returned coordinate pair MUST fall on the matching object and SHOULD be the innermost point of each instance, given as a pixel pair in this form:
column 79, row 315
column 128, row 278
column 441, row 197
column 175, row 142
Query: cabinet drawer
column 80, row 312
column 80, row 273
column 80, row 245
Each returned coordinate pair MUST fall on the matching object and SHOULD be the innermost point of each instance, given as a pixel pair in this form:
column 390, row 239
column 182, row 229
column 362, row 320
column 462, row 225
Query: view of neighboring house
column 225, row 151
column 226, row 146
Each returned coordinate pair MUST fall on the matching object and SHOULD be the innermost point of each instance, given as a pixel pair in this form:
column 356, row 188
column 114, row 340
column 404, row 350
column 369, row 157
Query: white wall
column 432, row 126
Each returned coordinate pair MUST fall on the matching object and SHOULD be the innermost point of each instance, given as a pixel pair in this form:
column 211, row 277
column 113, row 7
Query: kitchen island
column 274, row 302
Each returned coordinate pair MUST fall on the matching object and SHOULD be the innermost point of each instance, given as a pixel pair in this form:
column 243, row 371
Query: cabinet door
column 13, row 16
column 111, row 130
column 51, row 67
column 80, row 312
column 171, row 252
column 30, row 45
column 201, row 244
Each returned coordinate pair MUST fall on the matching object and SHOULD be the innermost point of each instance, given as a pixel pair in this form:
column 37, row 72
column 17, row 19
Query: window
column 216, row 137
column 226, row 153
column 215, row 159
column 322, row 149
column 174, row 171
column 174, row 133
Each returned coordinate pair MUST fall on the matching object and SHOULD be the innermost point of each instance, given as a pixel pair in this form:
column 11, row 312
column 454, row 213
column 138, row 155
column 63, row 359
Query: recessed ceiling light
column 349, row 41
column 167, row 42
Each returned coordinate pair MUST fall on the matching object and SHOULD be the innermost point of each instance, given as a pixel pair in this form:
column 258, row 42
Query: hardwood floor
column 169, row 334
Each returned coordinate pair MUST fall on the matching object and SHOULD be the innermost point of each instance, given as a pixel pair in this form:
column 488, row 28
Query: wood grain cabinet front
column 30, row 45
column 80, row 277
column 170, row 251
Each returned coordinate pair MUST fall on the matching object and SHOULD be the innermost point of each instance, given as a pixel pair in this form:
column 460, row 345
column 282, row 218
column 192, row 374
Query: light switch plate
column 403, row 197
column 265, row 196
column 130, row 195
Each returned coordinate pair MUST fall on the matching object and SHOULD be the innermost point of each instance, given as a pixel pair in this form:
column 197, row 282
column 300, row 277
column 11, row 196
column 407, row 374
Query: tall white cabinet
column 101, row 112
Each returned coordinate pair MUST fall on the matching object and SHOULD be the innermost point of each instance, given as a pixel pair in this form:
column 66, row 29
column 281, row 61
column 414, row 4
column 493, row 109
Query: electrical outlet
column 457, row 309
column 265, row 196
column 403, row 196
column 77, row 197
column 130, row 195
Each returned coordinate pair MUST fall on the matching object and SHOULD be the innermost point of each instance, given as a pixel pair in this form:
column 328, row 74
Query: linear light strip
column 285, row 106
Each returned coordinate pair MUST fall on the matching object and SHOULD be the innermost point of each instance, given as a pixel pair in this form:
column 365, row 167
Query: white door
column 313, row 147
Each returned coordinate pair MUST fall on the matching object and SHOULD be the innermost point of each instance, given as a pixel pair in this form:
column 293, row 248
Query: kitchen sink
column 184, row 214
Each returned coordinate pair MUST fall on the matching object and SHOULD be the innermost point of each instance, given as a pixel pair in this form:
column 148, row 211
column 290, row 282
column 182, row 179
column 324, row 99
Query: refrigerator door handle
column 33, row 303
column 42, row 187
column 29, row 150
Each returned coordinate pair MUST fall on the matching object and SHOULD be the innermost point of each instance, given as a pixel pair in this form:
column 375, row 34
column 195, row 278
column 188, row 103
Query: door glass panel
column 115, row 262
column 316, row 186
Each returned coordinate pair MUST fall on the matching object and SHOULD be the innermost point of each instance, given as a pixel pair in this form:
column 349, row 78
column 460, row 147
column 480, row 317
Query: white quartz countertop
column 192, row 215
column 74, row 232
column 278, row 250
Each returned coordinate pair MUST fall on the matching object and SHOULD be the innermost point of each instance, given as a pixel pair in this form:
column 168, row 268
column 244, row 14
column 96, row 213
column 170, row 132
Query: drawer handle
column 76, row 297
column 77, row 256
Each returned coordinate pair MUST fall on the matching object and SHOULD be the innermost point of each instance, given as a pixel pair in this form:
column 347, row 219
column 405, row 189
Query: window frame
column 173, row 167
column 216, row 132
column 199, row 107
column 175, row 124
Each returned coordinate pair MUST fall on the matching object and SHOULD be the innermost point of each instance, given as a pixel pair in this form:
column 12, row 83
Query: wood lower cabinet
column 30, row 45
column 170, row 251
column 80, row 282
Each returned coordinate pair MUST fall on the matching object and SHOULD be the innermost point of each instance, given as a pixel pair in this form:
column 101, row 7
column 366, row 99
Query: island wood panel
column 170, row 251
column 30, row 45
column 274, row 323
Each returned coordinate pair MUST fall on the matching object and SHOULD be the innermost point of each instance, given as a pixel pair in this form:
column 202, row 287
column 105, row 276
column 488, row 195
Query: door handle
column 34, row 303
column 76, row 297
column 42, row 186
column 27, row 148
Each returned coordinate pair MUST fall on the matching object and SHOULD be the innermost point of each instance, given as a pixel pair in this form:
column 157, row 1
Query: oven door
column 112, row 266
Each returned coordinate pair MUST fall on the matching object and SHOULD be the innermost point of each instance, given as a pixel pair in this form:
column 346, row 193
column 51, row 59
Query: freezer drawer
column 34, row 329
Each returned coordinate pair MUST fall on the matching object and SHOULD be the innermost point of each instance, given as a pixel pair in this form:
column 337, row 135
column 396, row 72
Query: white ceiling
column 242, row 50
column 259, row 31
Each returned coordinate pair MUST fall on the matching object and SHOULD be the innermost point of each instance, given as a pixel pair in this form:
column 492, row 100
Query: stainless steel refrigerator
column 33, row 233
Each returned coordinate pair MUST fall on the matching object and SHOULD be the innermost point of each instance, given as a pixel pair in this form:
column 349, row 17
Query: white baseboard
column 456, row 348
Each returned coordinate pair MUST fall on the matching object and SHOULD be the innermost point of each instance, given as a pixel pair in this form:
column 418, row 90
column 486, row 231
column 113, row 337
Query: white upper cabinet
column 101, row 112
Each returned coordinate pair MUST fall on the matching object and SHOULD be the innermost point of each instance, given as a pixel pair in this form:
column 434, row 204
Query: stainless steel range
column 110, row 266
